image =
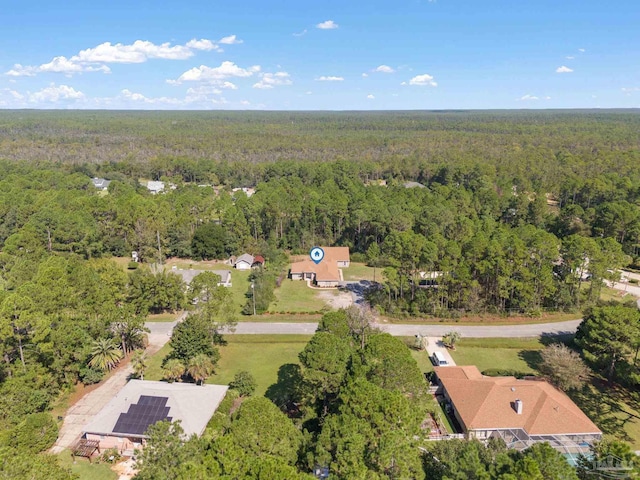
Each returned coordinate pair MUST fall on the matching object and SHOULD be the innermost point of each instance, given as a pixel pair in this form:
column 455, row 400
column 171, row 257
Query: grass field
column 295, row 296
column 359, row 271
column 85, row 470
column 154, row 364
column 282, row 318
column 261, row 355
column 239, row 286
column 520, row 354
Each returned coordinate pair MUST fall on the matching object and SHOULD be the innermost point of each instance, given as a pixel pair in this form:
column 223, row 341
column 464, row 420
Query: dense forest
column 512, row 212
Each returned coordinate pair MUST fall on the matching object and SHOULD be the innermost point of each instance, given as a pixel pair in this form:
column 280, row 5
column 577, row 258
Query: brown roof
column 488, row 403
column 325, row 271
column 336, row 254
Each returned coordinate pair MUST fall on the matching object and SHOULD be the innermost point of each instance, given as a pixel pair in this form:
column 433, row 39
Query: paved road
column 507, row 331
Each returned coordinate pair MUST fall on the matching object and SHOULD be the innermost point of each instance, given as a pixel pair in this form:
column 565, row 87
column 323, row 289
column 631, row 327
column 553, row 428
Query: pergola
column 85, row 448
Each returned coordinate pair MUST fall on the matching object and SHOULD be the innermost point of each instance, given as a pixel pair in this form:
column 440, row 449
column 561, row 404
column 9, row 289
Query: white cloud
column 215, row 75
column 308, row 93
column 270, row 80
column 245, row 102
column 300, row 34
column 230, row 40
column 569, row 57
column 329, row 79
column 203, row 44
column 630, row 90
column 384, row 69
column 138, row 52
column 424, row 80
column 528, row 98
column 53, row 94
column 371, row 97
column 365, row 75
column 547, row 98
column 95, row 59
column 229, row 86
column 581, row 50
column 563, row 69
column 327, row 25
column 138, row 97
column 21, row 71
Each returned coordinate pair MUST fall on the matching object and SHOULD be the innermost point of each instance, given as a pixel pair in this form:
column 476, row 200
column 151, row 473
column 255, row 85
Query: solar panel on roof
column 141, row 415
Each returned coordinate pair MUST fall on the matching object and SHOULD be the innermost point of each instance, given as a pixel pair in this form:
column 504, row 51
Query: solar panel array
column 141, row 415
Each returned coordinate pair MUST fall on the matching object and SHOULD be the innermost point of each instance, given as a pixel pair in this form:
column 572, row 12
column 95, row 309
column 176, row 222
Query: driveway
column 435, row 345
column 84, row 409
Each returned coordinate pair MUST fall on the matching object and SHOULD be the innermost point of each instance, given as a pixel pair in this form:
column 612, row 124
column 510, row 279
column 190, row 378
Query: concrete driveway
column 435, row 345
column 84, row 409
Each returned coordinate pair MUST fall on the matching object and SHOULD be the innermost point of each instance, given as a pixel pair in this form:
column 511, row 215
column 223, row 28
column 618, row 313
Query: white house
column 244, row 262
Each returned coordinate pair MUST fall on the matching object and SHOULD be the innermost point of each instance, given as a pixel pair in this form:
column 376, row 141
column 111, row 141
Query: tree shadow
column 550, row 338
column 285, row 393
column 532, row 358
column 603, row 406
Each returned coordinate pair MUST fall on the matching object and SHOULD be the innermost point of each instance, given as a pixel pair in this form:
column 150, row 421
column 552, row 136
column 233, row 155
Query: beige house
column 123, row 422
column 327, row 273
column 521, row 412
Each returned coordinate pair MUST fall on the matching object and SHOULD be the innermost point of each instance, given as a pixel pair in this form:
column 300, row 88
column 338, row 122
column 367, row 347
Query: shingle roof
column 245, row 257
column 193, row 404
column 326, row 271
column 487, row 403
column 336, row 254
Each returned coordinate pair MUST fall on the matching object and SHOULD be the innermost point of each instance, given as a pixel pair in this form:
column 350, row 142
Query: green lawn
column 359, row 271
column 239, row 286
column 154, row 364
column 85, row 470
column 520, row 354
column 295, row 296
column 282, row 318
column 261, row 355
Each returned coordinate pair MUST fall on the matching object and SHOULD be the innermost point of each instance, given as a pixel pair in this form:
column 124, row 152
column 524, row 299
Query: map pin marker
column 316, row 254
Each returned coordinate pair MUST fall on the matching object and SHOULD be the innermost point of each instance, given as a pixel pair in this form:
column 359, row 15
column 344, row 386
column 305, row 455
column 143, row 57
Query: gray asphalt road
column 427, row 330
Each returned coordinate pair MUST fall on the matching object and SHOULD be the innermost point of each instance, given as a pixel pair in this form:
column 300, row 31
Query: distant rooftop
column 100, row 183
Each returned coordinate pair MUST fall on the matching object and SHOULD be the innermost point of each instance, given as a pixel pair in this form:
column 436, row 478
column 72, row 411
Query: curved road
column 479, row 331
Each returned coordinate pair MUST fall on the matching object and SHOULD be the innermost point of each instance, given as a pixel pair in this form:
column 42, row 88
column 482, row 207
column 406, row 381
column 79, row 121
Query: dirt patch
column 336, row 298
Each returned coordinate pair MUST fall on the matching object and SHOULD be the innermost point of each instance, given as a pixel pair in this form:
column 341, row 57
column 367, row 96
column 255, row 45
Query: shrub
column 132, row 265
column 244, row 383
column 111, row 455
column 504, row 372
column 89, row 376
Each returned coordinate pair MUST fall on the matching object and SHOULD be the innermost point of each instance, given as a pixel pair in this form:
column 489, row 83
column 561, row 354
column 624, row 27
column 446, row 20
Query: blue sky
column 326, row 55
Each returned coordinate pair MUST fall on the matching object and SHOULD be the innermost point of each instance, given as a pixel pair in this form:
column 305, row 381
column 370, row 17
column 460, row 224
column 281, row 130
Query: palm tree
column 105, row 354
column 173, row 370
column 200, row 368
column 139, row 363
